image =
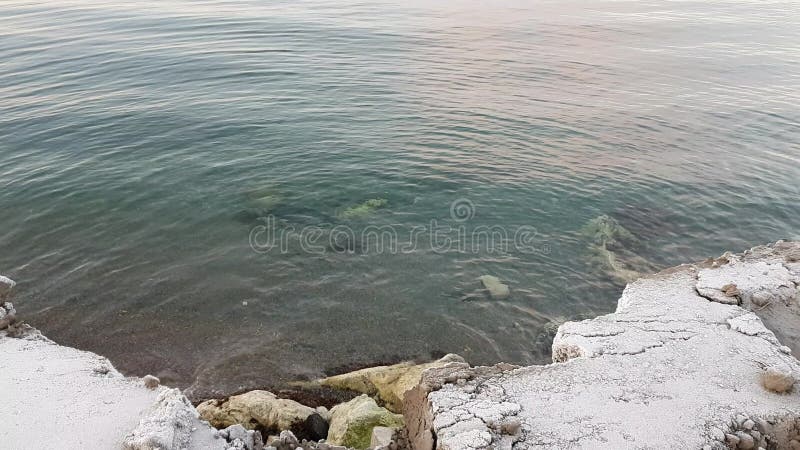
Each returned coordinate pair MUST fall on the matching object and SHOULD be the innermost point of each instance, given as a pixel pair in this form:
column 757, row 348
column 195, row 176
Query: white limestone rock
column 758, row 283
column 172, row 423
column 6, row 286
column 621, row 377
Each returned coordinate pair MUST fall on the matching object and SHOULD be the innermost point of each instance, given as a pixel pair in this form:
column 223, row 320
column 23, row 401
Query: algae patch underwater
column 363, row 209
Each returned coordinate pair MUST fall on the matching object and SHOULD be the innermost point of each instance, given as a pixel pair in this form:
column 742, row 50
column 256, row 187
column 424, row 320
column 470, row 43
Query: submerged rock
column 364, row 209
column 497, row 290
column 264, row 199
column 611, row 249
column 262, row 409
column 352, row 422
column 388, row 383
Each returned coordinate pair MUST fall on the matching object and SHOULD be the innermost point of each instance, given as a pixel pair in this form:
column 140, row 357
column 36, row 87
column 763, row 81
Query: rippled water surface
column 143, row 142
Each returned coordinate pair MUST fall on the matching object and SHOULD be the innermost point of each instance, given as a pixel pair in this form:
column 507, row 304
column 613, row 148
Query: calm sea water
column 142, row 141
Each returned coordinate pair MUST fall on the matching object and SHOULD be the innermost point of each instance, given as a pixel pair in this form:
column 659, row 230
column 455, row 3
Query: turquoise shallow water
column 141, row 143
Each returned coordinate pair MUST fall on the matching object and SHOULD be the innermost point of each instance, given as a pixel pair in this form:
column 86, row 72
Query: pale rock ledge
column 671, row 368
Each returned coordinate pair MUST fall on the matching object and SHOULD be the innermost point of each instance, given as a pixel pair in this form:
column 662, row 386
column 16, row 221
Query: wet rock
column 353, row 422
column 746, row 442
column 315, row 427
column 388, row 383
column 257, row 409
column 777, row 380
column 6, row 286
column 497, row 290
column 8, row 315
column 151, row 382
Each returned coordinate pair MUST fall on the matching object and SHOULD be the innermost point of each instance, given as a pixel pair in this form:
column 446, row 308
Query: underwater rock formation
column 364, row 209
column 611, row 250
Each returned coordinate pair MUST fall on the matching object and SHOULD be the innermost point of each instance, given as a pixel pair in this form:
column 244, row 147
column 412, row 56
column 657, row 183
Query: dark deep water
column 141, row 142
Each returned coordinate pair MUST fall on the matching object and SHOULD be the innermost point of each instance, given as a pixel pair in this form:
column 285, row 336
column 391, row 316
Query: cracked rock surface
column 671, row 368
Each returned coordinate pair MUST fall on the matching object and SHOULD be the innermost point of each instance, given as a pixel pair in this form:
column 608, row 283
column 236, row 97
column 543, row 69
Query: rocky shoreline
column 697, row 356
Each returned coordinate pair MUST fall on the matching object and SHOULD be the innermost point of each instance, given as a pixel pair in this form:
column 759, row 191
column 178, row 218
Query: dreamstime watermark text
column 455, row 235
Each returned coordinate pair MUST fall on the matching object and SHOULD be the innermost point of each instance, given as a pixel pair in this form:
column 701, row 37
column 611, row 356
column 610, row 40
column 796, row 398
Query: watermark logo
column 271, row 235
column 462, row 210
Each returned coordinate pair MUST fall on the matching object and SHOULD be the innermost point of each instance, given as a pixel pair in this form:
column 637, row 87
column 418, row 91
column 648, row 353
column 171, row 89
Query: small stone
column 287, row 437
column 740, row 419
column 151, row 382
column 730, row 290
column 761, row 298
column 382, row 437
column 748, row 424
column 236, row 432
column 732, row 440
column 785, row 349
column 717, row 434
column 512, row 427
column 746, row 442
column 762, row 425
column 756, row 435
column 777, row 380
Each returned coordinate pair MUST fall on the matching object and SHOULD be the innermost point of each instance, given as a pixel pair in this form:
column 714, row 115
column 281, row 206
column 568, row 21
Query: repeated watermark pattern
column 454, row 236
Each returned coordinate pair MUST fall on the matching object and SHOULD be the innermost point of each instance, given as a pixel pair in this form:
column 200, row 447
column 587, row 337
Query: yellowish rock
column 388, row 383
column 253, row 409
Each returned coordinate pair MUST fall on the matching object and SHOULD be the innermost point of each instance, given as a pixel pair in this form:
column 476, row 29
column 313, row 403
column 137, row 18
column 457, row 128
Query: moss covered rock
column 352, row 422
column 388, row 383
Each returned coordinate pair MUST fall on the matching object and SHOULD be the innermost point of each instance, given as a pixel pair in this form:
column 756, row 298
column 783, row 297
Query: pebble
column 746, row 442
column 732, row 440
column 151, row 382
column 777, row 380
column 748, row 424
